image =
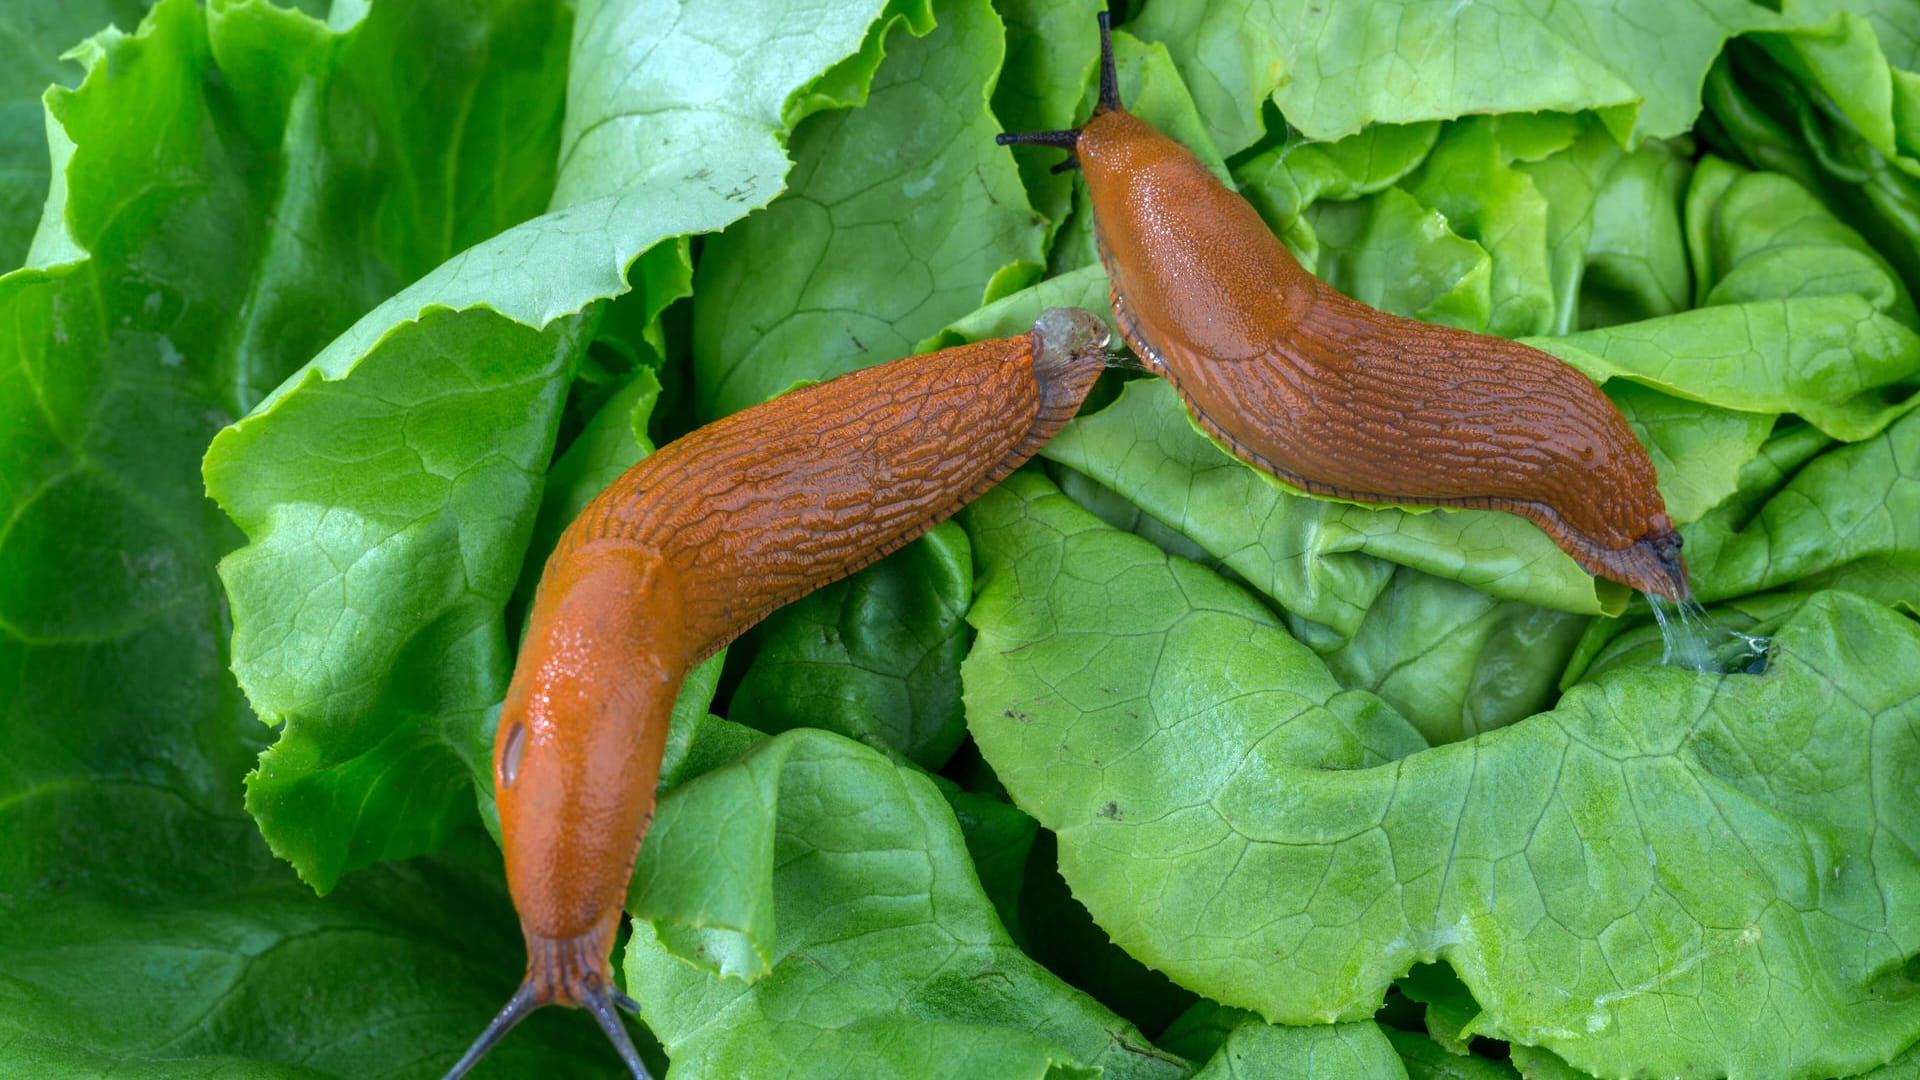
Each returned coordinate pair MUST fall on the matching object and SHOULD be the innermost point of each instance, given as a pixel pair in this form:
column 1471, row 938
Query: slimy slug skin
column 684, row 552
column 1337, row 398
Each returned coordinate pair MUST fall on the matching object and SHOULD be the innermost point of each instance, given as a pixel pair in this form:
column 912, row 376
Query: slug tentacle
column 1109, row 79
column 1059, row 140
column 601, row 1001
column 518, row 1007
column 684, row 552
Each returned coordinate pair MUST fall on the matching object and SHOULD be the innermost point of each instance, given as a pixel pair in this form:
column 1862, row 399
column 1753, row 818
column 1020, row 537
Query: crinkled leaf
column 1392, row 253
column 875, row 657
column 1056, row 930
column 1820, row 106
column 33, row 36
column 876, row 952
column 1483, row 198
column 392, row 975
column 1000, row 841
column 1237, row 1045
column 1703, row 866
column 389, row 490
column 1335, row 68
column 1697, row 449
column 1617, row 245
column 1833, row 360
column 1846, row 520
column 1454, row 660
column 1324, row 561
column 1425, row 1059
column 147, row 929
column 897, row 217
column 1111, row 507
column 1283, row 182
column 1051, row 59
column 1760, row 236
column 1015, row 313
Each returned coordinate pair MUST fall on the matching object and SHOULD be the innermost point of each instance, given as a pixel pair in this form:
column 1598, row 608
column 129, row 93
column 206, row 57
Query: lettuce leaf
column 1334, row 69
column 871, row 929
column 1316, row 789
column 875, row 657
column 148, row 931
column 1668, row 848
column 385, row 554
column 867, row 252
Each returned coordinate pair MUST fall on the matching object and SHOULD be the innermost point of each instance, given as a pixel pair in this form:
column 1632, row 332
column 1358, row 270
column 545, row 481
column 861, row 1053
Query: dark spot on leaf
column 1111, row 811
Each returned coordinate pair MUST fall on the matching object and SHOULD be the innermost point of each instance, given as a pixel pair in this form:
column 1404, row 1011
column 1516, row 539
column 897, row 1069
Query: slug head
column 1652, row 564
column 576, row 761
column 1063, row 334
column 1109, row 102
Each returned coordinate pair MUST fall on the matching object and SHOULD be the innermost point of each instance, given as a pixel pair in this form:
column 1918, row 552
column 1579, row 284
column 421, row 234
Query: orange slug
column 688, row 549
column 1337, row 398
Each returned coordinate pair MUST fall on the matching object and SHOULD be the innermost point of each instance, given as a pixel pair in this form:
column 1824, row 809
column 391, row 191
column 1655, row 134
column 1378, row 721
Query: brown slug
column 689, row 548
column 1337, row 398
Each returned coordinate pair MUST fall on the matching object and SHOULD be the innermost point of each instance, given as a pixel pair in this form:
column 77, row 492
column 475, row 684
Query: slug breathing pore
column 1336, row 398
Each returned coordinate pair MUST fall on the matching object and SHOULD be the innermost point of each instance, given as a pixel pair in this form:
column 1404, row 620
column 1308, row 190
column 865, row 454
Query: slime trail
column 1693, row 640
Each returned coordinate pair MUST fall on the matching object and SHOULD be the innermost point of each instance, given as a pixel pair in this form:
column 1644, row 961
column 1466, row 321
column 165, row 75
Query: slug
column 688, row 549
column 1337, row 398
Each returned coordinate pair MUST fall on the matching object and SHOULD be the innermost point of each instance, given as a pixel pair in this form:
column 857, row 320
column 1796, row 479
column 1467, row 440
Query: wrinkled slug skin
column 1337, row 398
column 698, row 542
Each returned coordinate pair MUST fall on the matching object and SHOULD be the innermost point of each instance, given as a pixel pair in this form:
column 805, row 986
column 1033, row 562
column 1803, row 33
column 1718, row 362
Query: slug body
column 1337, row 398
column 688, row 549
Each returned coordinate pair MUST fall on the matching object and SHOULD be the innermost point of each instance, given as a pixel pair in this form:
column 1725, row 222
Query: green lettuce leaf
column 1833, row 360
column 1051, row 60
column 1616, row 243
column 147, row 930
column 1824, row 106
column 1283, row 182
column 875, row 657
column 1237, row 1045
column 1425, row 1059
column 1394, row 776
column 1390, row 252
column 1702, row 865
column 1333, row 69
column 367, row 605
column 898, row 218
column 1845, row 520
column 33, row 37
column 873, row 951
column 1483, row 198
column 1324, row 561
column 1761, row 236
column 1456, row 661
